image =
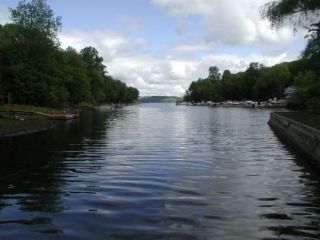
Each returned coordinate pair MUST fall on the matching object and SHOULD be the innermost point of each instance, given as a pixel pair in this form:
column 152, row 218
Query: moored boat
column 66, row 116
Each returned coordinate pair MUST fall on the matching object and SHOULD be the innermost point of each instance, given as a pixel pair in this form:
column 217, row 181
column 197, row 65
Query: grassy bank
column 31, row 109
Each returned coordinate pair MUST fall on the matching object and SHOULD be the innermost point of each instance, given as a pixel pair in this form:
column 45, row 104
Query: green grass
column 30, row 108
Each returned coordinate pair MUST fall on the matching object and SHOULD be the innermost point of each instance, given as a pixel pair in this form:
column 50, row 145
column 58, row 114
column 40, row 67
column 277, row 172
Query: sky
column 161, row 46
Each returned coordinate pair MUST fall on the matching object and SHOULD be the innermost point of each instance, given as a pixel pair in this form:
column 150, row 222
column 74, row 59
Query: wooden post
column 9, row 100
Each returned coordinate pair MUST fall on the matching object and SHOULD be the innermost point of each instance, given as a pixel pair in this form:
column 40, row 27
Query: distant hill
column 159, row 99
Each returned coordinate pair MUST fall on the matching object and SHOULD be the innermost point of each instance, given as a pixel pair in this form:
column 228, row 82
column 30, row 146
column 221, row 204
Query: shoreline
column 21, row 133
column 16, row 120
column 28, row 124
column 300, row 131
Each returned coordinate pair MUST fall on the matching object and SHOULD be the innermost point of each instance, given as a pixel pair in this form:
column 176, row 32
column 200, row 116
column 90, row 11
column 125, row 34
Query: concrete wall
column 301, row 137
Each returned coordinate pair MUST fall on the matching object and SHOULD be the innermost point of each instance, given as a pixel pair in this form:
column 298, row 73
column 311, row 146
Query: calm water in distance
column 157, row 171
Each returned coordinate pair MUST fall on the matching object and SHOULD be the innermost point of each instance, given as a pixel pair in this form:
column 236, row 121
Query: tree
column 92, row 59
column 96, row 71
column 132, row 94
column 271, row 82
column 303, row 13
column 227, row 85
column 37, row 15
column 75, row 76
column 308, row 91
column 312, row 51
column 250, row 78
column 2, row 90
column 214, row 73
column 305, row 79
column 298, row 12
column 34, row 70
column 204, row 90
column 26, row 56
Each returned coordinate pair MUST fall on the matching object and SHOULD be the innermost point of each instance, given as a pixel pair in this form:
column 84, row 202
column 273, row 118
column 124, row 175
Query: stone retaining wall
column 303, row 138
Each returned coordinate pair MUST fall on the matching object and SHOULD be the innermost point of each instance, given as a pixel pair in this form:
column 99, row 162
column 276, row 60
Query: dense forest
column 35, row 70
column 261, row 83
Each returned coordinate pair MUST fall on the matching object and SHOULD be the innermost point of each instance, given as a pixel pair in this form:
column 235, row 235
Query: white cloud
column 168, row 72
column 188, row 48
column 226, row 26
column 186, row 7
column 110, row 44
column 155, row 75
column 232, row 22
column 4, row 15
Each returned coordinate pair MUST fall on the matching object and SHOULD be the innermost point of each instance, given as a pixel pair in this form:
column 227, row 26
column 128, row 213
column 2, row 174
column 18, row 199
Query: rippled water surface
column 157, row 171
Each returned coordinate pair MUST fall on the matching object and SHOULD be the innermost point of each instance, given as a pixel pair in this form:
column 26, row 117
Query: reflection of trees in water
column 33, row 168
column 65, row 190
column 37, row 150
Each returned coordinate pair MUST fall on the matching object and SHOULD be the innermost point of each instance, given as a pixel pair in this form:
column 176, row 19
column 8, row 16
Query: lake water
column 157, row 171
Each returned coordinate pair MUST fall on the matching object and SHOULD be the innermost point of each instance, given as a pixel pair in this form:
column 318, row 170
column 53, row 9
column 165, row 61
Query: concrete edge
column 301, row 137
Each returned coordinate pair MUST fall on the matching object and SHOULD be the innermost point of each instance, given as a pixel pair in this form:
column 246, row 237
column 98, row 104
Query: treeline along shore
column 36, row 71
column 300, row 79
column 296, row 81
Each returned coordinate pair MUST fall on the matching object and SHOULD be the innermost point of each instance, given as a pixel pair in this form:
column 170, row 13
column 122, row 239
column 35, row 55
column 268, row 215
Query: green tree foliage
column 214, row 73
column 34, row 70
column 256, row 83
column 298, row 12
column 302, row 13
column 262, row 83
column 208, row 89
column 27, row 55
column 75, row 76
column 271, row 82
column 305, row 79
column 250, row 78
column 307, row 95
column 36, row 15
column 311, row 53
column 227, row 85
column 92, row 59
column 96, row 71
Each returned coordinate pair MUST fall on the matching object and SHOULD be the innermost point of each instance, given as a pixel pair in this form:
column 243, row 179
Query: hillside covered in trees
column 260, row 83
column 35, row 70
column 159, row 99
